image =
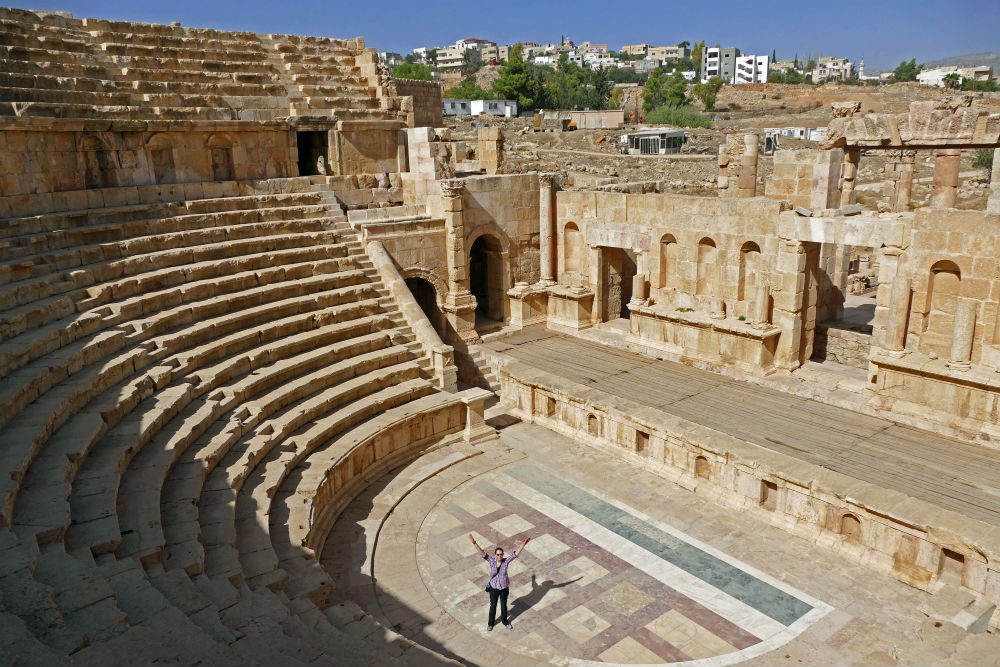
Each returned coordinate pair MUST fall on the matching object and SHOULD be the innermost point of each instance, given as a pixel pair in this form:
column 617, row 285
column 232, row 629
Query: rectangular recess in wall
column 641, row 441
column 768, row 495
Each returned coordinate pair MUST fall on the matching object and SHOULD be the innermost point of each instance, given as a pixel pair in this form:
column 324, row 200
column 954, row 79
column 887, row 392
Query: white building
column 750, row 69
column 720, row 62
column 456, row 107
column 544, row 60
column 599, row 61
column 936, row 76
column 832, row 69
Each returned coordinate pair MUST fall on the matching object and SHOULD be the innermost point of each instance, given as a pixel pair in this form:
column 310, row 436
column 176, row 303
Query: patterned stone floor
column 601, row 581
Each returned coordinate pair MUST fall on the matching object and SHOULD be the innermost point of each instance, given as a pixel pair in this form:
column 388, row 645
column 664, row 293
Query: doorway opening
column 312, row 148
column 486, row 281
column 618, row 267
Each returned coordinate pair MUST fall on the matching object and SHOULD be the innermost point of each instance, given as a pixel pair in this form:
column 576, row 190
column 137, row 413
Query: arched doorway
column 426, row 296
column 486, row 280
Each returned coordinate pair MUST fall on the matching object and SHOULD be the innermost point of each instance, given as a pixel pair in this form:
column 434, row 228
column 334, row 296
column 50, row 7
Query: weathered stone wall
column 648, row 223
column 807, row 178
column 39, row 158
column 370, row 147
column 506, row 207
column 424, row 108
column 841, row 344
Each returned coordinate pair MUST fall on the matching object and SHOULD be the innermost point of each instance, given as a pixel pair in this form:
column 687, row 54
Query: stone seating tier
column 90, row 69
column 211, row 349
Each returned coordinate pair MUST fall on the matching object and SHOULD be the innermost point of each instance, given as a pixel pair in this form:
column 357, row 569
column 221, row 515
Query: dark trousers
column 501, row 595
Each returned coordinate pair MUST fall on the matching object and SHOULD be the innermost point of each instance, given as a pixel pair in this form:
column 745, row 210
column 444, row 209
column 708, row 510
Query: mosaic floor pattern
column 601, row 582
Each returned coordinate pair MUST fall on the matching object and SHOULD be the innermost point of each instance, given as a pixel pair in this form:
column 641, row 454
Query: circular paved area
column 600, row 581
column 624, row 567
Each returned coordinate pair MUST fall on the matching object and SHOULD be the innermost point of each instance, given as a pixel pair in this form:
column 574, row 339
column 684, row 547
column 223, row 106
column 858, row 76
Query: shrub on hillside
column 682, row 116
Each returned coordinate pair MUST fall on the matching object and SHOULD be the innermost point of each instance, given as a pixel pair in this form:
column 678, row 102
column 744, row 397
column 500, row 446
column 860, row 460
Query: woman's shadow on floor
column 538, row 591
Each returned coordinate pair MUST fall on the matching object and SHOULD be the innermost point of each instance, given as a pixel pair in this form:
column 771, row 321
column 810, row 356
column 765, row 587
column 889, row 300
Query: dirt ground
column 591, row 158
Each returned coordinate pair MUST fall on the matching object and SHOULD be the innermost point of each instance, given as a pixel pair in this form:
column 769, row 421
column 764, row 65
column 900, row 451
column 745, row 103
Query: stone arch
column 439, row 284
column 708, row 256
column 702, row 468
column 100, row 162
column 750, row 268
column 429, row 299
column 489, row 273
column 944, row 285
column 573, row 248
column 850, row 528
column 161, row 158
column 220, row 147
column 669, row 259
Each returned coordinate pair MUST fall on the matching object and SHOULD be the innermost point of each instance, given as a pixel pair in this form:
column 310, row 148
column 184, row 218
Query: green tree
column 810, row 64
column 697, row 51
column 412, row 71
column 570, row 86
column 520, row 81
column 794, row 76
column 432, row 57
column 983, row 159
column 468, row 89
column 952, row 80
column 663, row 89
column 988, row 86
column 907, row 70
column 708, row 92
column 774, row 55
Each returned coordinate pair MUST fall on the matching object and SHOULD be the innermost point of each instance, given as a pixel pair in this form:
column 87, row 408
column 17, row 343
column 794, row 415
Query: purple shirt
column 498, row 574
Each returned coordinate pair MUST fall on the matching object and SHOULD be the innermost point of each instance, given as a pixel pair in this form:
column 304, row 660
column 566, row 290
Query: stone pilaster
column 899, row 310
column 459, row 305
column 747, row 181
column 946, row 167
column 761, row 305
column 789, row 301
column 547, row 228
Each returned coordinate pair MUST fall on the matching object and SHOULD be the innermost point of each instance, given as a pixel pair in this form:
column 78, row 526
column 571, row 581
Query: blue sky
column 884, row 33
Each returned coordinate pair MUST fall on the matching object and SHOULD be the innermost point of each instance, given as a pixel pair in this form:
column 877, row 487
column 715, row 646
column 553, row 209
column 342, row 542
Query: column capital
column 546, row 180
column 452, row 187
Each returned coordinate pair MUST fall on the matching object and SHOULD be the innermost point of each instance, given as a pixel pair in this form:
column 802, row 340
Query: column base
column 961, row 366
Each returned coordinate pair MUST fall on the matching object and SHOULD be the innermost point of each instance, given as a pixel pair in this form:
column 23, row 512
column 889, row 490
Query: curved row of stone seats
column 95, row 69
column 82, row 555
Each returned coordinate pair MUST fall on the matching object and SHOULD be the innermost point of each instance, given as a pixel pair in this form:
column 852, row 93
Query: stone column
column 946, row 167
column 459, row 305
column 639, row 296
column 747, row 182
column 789, row 300
column 850, row 173
column 597, row 283
column 993, row 204
column 761, row 302
column 960, row 358
column 899, row 309
column 546, row 228
column 904, row 181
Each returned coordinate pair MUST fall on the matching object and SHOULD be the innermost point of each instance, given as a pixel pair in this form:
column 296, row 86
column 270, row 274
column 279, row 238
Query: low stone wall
column 843, row 344
column 886, row 529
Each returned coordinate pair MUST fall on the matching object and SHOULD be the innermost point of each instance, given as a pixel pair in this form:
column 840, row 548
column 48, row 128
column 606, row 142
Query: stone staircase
column 187, row 388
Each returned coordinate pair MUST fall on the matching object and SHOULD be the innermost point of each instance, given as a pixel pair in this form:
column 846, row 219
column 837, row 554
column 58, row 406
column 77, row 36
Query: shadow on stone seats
column 523, row 603
column 500, row 422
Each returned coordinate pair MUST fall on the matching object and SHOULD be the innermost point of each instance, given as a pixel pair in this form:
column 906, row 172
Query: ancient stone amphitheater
column 197, row 362
column 254, row 305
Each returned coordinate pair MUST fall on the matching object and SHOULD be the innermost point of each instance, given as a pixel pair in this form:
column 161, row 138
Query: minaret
column 861, row 69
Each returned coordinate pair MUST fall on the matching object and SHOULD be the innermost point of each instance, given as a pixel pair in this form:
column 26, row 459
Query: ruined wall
column 370, row 147
column 506, row 207
column 42, row 157
column 424, row 107
column 808, row 178
column 668, row 233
